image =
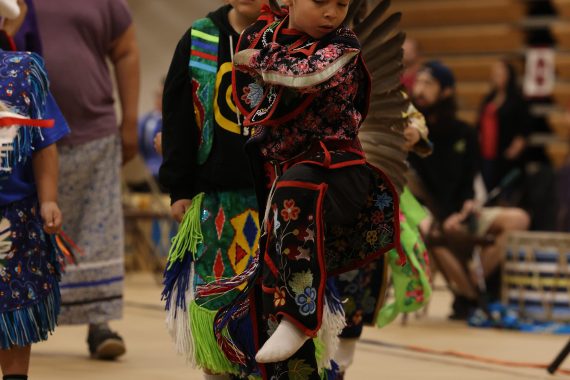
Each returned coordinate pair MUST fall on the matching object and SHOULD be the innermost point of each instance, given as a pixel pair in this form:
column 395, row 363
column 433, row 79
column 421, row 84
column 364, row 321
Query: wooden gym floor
column 150, row 354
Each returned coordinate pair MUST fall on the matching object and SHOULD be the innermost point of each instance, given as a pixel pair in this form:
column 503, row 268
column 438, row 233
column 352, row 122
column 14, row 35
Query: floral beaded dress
column 326, row 211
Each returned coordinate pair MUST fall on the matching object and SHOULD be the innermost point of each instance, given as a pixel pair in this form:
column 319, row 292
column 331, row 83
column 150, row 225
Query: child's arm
column 45, row 164
column 180, row 137
column 326, row 68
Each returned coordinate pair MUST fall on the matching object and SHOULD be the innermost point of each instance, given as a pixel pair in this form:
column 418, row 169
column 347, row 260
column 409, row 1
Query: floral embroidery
column 335, row 111
column 290, row 211
column 279, row 297
column 27, row 266
column 307, row 301
column 304, row 254
column 383, row 200
column 272, row 323
column 372, row 237
column 377, row 217
column 357, row 317
column 300, row 281
column 252, row 94
column 298, row 369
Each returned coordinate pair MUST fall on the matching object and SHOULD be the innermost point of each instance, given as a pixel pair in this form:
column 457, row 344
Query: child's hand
column 179, row 208
column 51, row 216
column 412, row 136
column 158, row 143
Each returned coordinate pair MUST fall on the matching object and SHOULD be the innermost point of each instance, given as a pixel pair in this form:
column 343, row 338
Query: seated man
column 447, row 189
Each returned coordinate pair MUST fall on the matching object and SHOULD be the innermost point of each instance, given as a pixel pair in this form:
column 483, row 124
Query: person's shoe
column 105, row 344
column 462, row 307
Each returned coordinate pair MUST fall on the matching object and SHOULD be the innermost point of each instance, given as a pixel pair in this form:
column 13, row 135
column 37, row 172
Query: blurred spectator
column 504, row 125
column 149, row 126
column 412, row 63
column 79, row 38
column 447, row 187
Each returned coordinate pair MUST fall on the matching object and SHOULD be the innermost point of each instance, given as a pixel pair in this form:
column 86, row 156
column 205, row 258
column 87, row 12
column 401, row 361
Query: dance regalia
column 30, row 260
column 364, row 290
column 220, row 232
column 305, row 100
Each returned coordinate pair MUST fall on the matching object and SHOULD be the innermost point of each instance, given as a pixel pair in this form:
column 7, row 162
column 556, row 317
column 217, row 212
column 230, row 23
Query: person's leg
column 294, row 283
column 91, row 202
column 454, row 272
column 459, row 281
column 15, row 362
column 505, row 221
column 294, row 275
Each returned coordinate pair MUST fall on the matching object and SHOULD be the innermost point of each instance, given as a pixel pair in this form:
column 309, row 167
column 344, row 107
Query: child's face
column 248, row 9
column 317, row 18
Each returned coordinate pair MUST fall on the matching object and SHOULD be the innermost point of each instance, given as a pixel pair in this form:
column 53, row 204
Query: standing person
column 149, row 126
column 207, row 175
column 29, row 213
column 300, row 80
column 412, row 63
column 91, row 156
column 504, row 125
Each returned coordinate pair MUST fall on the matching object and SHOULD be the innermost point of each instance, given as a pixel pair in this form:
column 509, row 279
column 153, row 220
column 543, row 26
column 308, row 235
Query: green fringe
column 189, row 233
column 208, row 354
column 319, row 349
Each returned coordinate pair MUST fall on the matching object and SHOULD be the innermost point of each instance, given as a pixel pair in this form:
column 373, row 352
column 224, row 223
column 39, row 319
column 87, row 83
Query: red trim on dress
column 255, row 328
column 12, row 42
column 277, row 122
column 267, row 289
column 10, row 121
column 267, row 260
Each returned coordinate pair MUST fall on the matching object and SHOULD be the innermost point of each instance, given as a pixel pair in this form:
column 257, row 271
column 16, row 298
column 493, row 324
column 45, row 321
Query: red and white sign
column 540, row 72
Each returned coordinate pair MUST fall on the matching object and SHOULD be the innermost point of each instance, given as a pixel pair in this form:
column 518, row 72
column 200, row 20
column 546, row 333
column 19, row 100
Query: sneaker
column 105, row 344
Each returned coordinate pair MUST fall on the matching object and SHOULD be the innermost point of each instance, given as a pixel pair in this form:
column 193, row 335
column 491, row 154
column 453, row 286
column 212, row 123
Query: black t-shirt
column 448, row 174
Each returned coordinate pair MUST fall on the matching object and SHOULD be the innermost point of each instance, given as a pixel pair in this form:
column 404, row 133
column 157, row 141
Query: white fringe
column 179, row 325
column 331, row 328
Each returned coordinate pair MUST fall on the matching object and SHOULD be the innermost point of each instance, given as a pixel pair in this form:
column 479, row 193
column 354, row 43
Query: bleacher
column 470, row 35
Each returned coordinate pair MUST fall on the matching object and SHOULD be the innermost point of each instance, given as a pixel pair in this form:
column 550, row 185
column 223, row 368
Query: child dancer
column 29, row 214
column 206, row 172
column 301, row 82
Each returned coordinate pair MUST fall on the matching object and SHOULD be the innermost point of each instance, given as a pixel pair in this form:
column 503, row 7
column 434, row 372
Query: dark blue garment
column 28, row 37
column 29, row 292
column 24, row 89
column 149, row 126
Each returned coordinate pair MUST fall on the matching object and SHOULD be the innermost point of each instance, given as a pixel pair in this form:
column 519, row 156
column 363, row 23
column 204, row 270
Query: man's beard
column 437, row 114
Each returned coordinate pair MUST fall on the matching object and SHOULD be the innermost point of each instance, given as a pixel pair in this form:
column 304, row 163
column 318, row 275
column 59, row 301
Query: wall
column 160, row 24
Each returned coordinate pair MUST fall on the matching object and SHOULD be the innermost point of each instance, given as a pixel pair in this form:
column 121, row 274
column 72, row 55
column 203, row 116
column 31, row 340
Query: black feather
column 372, row 21
column 353, row 11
